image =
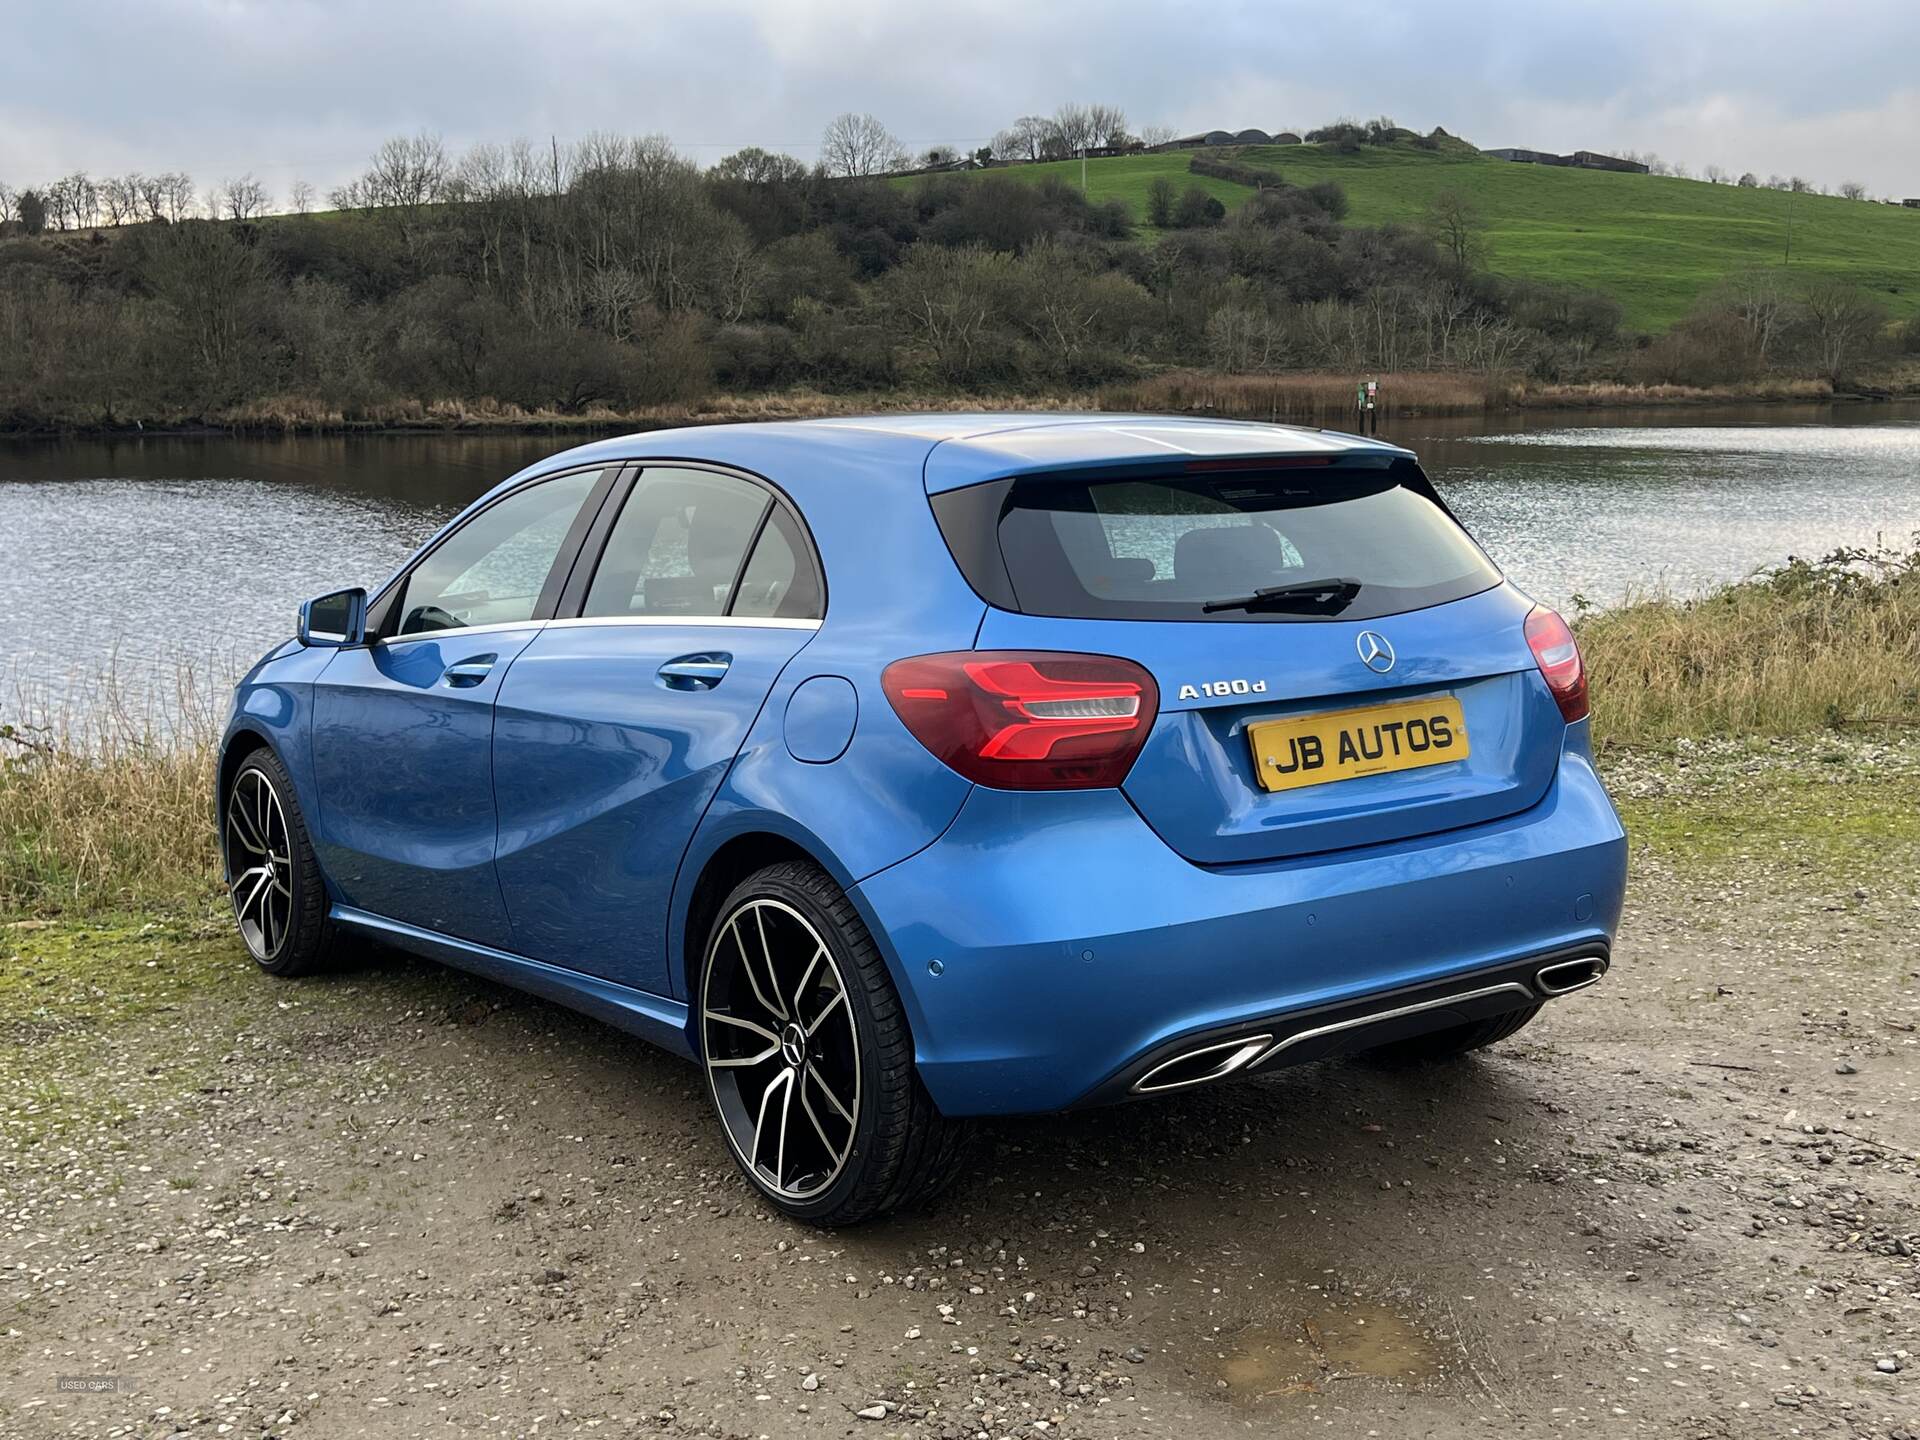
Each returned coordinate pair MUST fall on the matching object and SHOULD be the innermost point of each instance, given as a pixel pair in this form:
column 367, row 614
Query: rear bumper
column 1051, row 950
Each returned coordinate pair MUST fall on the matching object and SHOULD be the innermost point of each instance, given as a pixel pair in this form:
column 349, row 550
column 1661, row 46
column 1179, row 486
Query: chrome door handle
column 695, row 672
column 468, row 673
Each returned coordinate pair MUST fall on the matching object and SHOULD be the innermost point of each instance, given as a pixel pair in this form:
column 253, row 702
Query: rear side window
column 1299, row 543
column 695, row 543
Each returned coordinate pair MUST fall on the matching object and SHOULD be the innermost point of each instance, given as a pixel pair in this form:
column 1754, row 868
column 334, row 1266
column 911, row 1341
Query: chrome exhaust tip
column 1198, row 1067
column 1566, row 976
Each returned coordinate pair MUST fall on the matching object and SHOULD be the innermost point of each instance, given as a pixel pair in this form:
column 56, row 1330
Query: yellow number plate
column 1346, row 744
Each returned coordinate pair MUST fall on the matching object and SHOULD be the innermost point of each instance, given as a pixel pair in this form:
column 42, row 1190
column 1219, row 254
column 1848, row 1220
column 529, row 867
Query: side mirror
column 338, row 619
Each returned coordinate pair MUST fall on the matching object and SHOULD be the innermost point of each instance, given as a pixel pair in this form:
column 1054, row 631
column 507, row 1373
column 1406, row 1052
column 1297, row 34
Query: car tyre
column 1454, row 1041
column 809, row 1059
column 273, row 877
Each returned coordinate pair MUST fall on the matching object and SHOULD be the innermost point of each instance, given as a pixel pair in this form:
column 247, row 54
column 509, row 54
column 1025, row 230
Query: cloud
column 301, row 88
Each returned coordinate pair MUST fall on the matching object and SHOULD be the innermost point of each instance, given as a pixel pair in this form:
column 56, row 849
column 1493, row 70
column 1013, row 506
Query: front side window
column 680, row 548
column 491, row 570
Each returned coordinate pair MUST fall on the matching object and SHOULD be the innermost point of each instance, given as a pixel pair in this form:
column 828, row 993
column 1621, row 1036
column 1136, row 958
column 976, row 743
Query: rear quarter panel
column 892, row 591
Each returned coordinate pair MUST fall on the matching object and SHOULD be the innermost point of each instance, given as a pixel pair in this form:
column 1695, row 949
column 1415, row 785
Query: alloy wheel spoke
column 786, row 1114
column 819, row 1080
column 745, row 1024
column 746, row 1062
column 262, row 797
column 806, row 978
column 783, row 1080
column 777, row 1010
column 240, row 826
column 839, row 999
column 766, row 958
column 261, row 878
column 833, row 1151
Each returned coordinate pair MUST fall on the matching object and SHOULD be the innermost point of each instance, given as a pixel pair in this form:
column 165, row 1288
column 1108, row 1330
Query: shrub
column 1160, row 202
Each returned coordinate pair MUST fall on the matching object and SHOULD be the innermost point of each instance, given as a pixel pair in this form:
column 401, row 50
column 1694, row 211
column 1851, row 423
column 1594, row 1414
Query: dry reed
column 1306, row 397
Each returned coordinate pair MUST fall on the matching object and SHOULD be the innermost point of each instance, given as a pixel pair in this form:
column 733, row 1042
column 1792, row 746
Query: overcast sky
column 304, row 89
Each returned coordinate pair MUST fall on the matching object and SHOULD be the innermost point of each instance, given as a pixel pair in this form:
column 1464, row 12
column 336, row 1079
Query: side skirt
column 654, row 1018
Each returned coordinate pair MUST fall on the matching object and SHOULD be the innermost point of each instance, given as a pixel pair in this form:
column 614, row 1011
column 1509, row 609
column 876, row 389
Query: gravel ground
column 400, row 1202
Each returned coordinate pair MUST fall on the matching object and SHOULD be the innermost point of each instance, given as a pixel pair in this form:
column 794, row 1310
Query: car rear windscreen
column 1290, row 543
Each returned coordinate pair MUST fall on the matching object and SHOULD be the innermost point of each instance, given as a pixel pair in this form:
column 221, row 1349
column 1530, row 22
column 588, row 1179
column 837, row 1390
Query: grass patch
column 70, row 993
column 1653, row 243
column 1810, row 646
column 1844, row 811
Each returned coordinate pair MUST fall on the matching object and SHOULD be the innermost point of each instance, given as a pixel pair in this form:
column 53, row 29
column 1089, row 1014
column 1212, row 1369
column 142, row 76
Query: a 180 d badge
column 1218, row 689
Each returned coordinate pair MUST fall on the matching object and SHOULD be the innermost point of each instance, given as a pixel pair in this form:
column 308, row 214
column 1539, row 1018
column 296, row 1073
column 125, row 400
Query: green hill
column 1653, row 243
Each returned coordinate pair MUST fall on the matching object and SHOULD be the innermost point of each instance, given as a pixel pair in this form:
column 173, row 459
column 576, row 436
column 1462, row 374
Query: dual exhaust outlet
column 1221, row 1058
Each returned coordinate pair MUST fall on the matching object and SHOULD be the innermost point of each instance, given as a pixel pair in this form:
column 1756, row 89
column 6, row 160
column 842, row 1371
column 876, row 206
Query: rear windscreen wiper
column 1327, row 597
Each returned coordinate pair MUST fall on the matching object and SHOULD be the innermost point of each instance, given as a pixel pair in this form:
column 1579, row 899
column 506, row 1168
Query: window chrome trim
column 451, row 630
column 738, row 622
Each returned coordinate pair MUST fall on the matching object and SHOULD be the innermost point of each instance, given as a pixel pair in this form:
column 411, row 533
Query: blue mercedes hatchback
column 907, row 770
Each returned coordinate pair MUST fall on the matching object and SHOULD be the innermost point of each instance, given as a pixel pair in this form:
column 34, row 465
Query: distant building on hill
column 1252, row 137
column 1285, row 137
column 1578, row 160
column 1593, row 160
column 1217, row 137
column 1911, row 204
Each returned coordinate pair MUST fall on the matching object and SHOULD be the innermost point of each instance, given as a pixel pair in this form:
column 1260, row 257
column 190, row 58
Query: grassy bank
column 112, row 815
column 1654, row 243
column 1810, row 646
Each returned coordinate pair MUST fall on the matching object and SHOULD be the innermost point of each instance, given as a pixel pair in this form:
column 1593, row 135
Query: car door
column 403, row 726
column 618, row 722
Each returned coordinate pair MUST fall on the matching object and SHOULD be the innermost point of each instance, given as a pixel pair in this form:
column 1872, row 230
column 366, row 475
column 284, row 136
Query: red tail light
column 1558, row 657
column 1026, row 719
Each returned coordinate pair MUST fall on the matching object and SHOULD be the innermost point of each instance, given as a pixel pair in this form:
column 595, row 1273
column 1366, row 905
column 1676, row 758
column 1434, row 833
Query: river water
column 132, row 556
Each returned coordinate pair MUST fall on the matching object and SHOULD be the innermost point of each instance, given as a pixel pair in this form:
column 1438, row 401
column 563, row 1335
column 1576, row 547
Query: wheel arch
column 234, row 751
column 720, row 861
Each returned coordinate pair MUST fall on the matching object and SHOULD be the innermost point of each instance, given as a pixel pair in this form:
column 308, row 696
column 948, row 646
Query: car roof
column 952, row 450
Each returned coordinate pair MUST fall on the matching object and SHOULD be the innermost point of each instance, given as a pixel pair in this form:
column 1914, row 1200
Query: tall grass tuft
column 106, row 803
column 1811, row 645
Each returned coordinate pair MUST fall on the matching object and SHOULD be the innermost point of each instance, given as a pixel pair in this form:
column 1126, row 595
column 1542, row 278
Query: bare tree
column 938, row 155
column 242, row 199
column 1853, row 190
column 408, row 171
column 176, row 195
column 1715, row 175
column 73, row 201
column 1456, row 227
column 1073, row 127
column 301, row 197
column 1151, row 135
column 1749, row 181
column 1760, row 301
column 1108, row 125
column 1025, row 139
column 1845, row 321
column 120, row 198
column 855, row 145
